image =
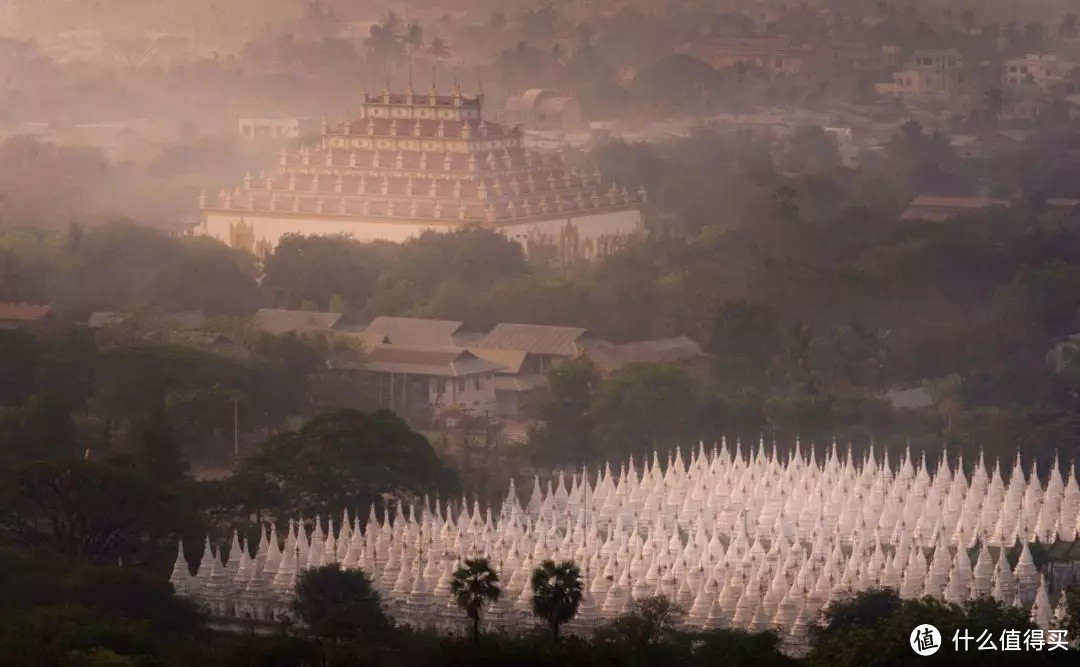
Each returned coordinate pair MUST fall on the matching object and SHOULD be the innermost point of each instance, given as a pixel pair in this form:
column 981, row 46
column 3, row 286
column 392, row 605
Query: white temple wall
column 590, row 225
column 269, row 228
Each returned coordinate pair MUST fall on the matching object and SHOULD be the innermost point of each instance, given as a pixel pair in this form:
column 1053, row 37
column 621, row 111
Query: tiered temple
column 750, row 542
column 414, row 162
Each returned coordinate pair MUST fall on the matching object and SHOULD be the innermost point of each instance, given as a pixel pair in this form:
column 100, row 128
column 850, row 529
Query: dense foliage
column 344, row 458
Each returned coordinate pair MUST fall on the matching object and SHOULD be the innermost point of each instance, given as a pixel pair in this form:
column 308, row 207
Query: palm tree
column 414, row 36
column 475, row 585
column 556, row 593
column 1068, row 27
column 438, row 49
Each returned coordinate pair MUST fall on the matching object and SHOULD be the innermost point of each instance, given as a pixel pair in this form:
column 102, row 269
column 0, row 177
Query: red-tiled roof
column 23, row 312
column 957, row 202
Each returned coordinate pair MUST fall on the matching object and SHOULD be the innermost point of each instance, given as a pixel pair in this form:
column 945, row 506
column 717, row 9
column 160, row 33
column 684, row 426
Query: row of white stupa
column 743, row 542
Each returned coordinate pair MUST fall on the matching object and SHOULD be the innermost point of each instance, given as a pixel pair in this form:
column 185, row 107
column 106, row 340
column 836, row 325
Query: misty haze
column 539, row 333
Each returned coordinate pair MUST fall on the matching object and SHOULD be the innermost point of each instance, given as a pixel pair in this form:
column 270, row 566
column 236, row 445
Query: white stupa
column 749, row 541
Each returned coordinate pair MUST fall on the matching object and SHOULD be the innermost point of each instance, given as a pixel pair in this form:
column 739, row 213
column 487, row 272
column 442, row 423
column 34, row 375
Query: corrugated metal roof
column 415, row 331
column 300, row 321
column 915, row 397
column 534, row 339
column 101, row 320
column 511, row 360
column 610, row 357
column 417, row 360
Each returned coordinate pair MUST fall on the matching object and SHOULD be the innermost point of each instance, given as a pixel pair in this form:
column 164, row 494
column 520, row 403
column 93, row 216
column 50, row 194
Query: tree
column 414, row 36
column 158, row 452
column 20, row 354
column 567, row 432
column 342, row 458
column 128, row 267
column 384, row 48
column 87, row 510
column 474, row 258
column 318, row 268
column 1072, row 610
column 653, row 621
column 677, row 83
column 41, row 428
column 43, row 184
column 540, row 23
column 438, row 49
column 556, row 593
column 967, row 20
column 204, row 275
column 885, row 641
column 339, row 604
column 1068, row 29
column 474, row 586
column 745, row 331
column 812, row 149
column 644, row 406
column 734, row 648
column 862, row 610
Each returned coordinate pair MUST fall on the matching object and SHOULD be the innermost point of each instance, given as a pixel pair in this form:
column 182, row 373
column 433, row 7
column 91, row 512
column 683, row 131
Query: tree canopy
column 475, row 586
column 556, row 593
column 343, row 458
column 88, row 510
column 339, row 604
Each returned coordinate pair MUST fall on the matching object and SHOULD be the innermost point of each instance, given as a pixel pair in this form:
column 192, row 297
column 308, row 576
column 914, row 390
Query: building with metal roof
column 276, row 321
column 415, row 378
column 516, row 384
column 13, row 315
column 610, row 357
column 535, row 339
column 415, row 331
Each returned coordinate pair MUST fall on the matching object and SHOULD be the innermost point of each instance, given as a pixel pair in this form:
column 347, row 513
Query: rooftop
column 610, row 357
column 24, row 312
column 927, row 207
column 436, row 361
column 295, row 321
column 415, row 331
column 534, row 339
column 511, row 360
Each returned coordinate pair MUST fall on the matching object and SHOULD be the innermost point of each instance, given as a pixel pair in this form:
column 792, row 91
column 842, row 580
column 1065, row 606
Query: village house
column 941, row 209
column 610, row 357
column 1040, row 70
column 928, row 76
column 23, row 315
column 540, row 109
column 414, row 380
column 277, row 321
column 526, row 352
column 415, row 331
